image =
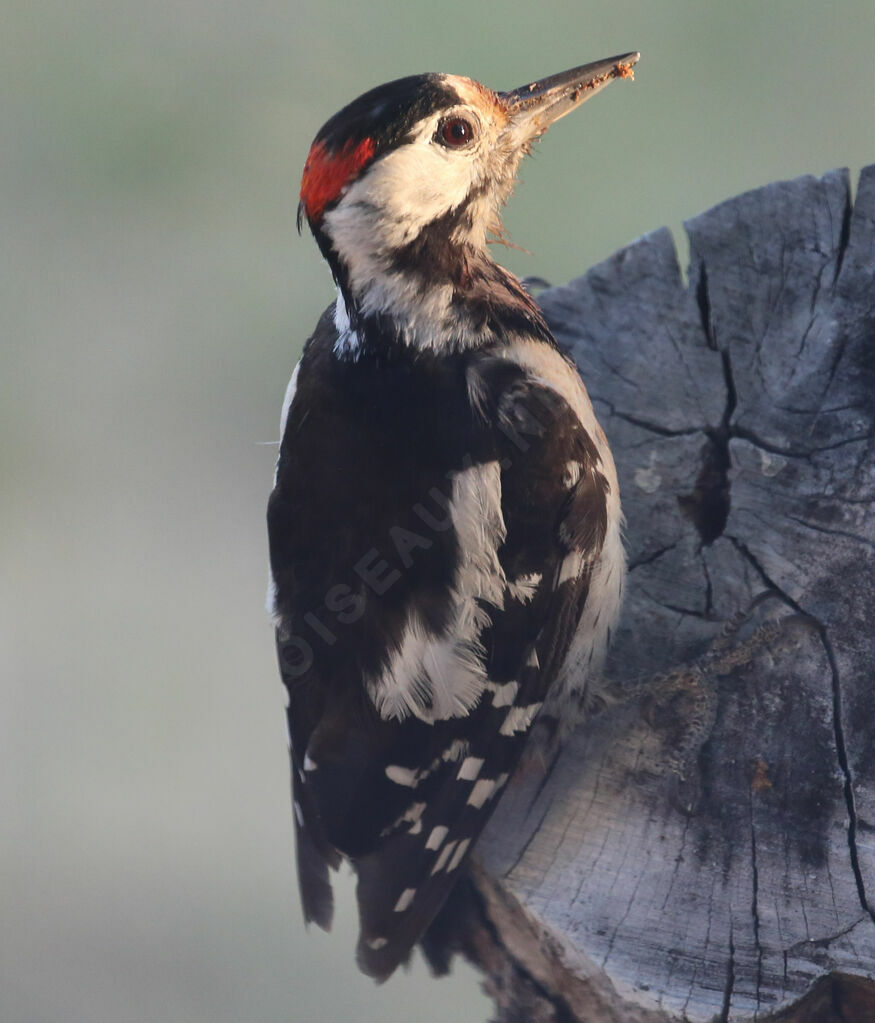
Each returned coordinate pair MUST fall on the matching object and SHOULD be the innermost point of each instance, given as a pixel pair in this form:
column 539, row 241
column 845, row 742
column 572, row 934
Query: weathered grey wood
column 696, row 858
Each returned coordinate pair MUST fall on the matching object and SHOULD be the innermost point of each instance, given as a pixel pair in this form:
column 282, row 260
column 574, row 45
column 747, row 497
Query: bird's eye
column 455, row 132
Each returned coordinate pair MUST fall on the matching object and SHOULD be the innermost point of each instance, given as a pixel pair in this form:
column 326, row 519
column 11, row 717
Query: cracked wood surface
column 715, row 859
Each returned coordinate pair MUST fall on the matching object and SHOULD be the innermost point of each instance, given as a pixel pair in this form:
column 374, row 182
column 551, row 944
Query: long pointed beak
column 532, row 108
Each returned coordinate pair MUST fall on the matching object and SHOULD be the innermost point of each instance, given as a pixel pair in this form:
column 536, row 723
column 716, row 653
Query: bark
column 704, row 846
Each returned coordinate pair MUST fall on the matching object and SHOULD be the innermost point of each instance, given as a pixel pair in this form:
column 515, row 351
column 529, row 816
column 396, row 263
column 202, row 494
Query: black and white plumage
column 445, row 522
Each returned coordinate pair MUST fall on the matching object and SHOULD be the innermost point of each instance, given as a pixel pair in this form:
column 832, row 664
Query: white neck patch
column 348, row 343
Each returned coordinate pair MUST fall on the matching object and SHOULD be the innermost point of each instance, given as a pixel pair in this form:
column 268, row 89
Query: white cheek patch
column 410, row 186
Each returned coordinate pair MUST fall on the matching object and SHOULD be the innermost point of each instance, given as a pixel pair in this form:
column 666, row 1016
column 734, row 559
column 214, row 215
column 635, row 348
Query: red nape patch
column 326, row 173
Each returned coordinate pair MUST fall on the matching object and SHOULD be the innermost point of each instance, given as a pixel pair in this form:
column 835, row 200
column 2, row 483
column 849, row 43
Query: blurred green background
column 154, row 297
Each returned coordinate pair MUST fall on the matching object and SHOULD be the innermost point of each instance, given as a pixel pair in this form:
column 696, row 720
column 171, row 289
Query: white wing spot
column 404, row 899
column 299, row 814
column 461, row 849
column 504, row 695
column 572, row 474
column 412, row 815
column 436, row 838
column 377, row 943
column 402, row 775
column 519, row 718
column 446, row 853
column 524, row 587
column 470, row 768
column 572, row 567
column 414, row 811
column 455, row 750
column 411, row 777
column 309, row 763
column 481, row 792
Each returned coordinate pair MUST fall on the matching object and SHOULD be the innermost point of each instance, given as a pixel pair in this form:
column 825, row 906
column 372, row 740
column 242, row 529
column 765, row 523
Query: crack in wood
column 708, row 506
column 643, row 423
column 730, row 979
column 689, row 612
column 650, row 558
column 827, row 939
column 844, row 237
column 703, row 301
column 709, row 588
column 754, row 903
column 743, row 433
column 832, row 532
column 838, row 727
column 528, row 842
column 847, row 774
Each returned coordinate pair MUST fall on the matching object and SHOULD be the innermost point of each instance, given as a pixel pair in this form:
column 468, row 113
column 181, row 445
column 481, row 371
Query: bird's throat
column 430, row 295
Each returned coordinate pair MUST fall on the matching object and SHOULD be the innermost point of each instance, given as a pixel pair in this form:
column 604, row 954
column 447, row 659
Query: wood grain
column 704, row 847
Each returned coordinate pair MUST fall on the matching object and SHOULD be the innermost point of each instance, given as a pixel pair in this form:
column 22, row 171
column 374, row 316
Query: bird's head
column 412, row 175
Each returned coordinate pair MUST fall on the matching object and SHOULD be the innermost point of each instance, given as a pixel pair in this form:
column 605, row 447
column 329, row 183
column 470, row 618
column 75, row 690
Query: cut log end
column 705, row 849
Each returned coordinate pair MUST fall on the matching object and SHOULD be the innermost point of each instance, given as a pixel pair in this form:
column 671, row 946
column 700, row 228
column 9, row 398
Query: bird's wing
column 553, row 503
column 400, row 769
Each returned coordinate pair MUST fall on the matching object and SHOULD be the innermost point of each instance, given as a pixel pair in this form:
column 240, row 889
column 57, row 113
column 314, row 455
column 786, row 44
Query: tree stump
column 712, row 857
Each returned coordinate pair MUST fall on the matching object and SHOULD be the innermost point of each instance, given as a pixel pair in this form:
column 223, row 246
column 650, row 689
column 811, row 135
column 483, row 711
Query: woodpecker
column 445, row 548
